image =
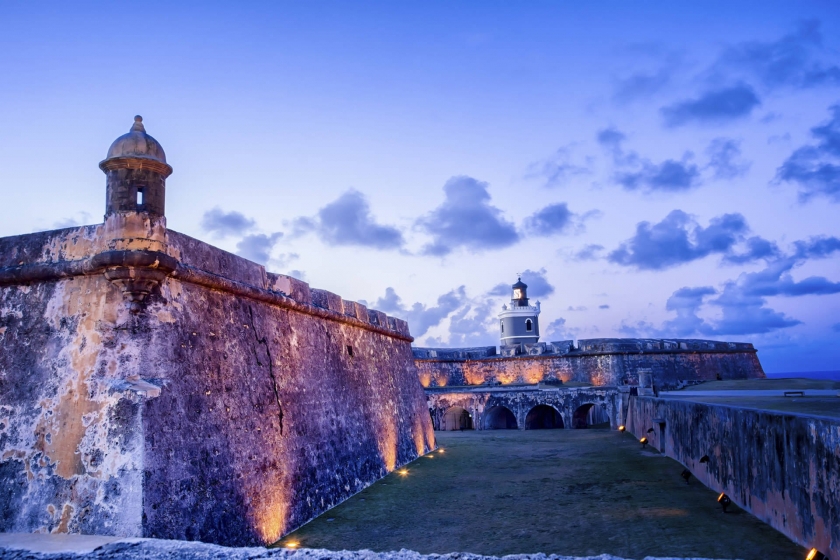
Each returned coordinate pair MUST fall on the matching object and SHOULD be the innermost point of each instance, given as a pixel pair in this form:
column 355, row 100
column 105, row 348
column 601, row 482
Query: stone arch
column 499, row 418
column 456, row 418
column 590, row 414
column 543, row 417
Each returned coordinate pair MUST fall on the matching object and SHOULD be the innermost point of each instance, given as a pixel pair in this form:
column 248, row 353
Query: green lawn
column 812, row 406
column 576, row 492
column 792, row 384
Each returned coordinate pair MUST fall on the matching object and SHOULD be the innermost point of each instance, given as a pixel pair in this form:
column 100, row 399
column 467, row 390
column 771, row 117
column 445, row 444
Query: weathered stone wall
column 669, row 368
column 71, row 446
column 783, row 468
column 235, row 407
column 521, row 401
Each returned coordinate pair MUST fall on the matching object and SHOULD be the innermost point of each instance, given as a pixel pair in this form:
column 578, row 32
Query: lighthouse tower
column 519, row 322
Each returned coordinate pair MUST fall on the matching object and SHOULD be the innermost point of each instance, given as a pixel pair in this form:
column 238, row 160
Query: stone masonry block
column 296, row 289
column 402, row 327
column 348, row 307
column 327, row 300
column 361, row 311
column 377, row 318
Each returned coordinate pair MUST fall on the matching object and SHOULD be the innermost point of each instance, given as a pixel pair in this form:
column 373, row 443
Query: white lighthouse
column 519, row 322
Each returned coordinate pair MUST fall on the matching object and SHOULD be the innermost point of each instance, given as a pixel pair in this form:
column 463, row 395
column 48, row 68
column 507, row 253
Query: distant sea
column 832, row 375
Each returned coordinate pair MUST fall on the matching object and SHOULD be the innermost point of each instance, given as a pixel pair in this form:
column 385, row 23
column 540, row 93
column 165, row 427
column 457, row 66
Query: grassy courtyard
column 576, row 492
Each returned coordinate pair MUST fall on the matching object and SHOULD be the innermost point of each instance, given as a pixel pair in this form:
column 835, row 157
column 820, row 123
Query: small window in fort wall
column 529, row 326
column 502, row 323
column 350, row 350
column 140, row 196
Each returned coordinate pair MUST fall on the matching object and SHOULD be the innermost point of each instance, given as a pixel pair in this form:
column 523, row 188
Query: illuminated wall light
column 815, row 554
column 724, row 501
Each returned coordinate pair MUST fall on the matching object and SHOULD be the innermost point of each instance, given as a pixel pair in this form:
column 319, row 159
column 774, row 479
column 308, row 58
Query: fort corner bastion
column 154, row 385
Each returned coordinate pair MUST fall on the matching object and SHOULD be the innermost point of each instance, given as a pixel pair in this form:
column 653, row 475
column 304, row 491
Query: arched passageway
column 456, row 418
column 543, row 417
column 499, row 418
column 590, row 415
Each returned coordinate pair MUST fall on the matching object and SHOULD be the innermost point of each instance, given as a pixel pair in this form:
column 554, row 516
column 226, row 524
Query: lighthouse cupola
column 520, row 293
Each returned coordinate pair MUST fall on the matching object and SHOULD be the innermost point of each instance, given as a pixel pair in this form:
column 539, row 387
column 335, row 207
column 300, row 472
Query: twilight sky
column 652, row 168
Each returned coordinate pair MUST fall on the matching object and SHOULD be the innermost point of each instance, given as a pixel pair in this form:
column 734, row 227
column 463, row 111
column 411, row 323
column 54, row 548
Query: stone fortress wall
column 670, row 363
column 533, row 386
column 237, row 406
column 154, row 385
column 781, row 467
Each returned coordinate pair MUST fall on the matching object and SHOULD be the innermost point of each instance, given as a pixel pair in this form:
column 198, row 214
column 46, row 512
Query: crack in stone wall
column 264, row 342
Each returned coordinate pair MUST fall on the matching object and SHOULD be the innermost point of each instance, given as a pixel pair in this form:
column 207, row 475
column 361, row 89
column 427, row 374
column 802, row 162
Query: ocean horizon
column 832, row 375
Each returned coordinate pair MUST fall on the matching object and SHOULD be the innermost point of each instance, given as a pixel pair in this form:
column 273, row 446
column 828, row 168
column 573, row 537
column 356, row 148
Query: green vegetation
column 814, row 406
column 791, row 384
column 576, row 492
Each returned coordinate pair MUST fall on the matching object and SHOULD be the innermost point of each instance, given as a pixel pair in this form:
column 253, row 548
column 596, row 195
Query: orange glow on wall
column 534, row 374
column 430, row 436
column 387, row 442
column 474, row 376
column 417, row 433
column 271, row 512
column 425, row 379
column 507, row 377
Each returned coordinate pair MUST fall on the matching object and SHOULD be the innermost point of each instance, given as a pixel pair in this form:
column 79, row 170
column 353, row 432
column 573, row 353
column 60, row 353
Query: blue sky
column 653, row 169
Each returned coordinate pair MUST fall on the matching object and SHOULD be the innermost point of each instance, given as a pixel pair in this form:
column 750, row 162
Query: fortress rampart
column 531, row 407
column 154, row 385
column 237, row 406
column 781, row 467
column 669, row 363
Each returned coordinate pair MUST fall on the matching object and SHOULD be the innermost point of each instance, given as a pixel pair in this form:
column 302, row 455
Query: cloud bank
column 466, row 220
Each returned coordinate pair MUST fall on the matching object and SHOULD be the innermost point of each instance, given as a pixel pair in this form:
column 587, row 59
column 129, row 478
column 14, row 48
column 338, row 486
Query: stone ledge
column 19, row 546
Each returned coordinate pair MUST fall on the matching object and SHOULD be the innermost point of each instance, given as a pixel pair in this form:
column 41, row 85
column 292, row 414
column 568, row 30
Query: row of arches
column 540, row 417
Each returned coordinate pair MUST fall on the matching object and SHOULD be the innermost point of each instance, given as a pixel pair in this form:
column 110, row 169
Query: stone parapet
column 33, row 258
column 784, row 468
column 669, row 364
column 79, row 547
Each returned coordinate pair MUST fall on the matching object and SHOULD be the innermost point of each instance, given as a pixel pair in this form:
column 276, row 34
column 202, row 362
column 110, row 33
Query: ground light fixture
column 815, row 554
column 621, row 428
column 644, row 442
column 402, row 472
column 686, row 475
column 724, row 501
column 291, row 544
column 440, row 450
